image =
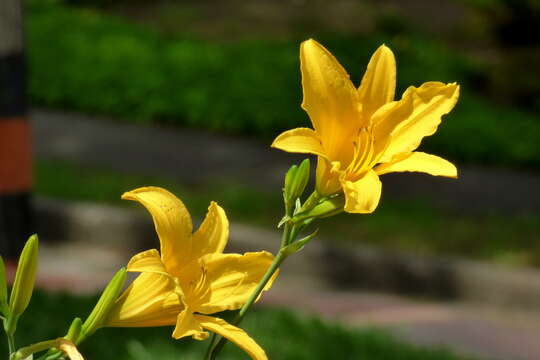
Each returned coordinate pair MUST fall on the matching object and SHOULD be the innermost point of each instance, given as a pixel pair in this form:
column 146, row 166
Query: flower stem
column 10, row 324
column 285, row 237
column 11, row 344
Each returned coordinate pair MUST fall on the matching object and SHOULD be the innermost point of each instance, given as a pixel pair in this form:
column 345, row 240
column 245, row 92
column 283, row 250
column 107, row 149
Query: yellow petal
column 172, row 222
column 330, row 98
column 70, row 349
column 379, row 82
column 299, row 140
column 362, row 196
column 327, row 177
column 147, row 261
column 430, row 101
column 213, row 234
column 230, row 280
column 233, row 334
column 189, row 325
column 150, row 300
column 421, row 162
column 386, row 119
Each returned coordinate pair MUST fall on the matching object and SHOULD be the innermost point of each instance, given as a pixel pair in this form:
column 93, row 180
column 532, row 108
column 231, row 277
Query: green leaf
column 299, row 245
column 326, row 207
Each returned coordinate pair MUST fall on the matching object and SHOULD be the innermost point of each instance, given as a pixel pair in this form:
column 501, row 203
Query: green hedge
column 85, row 60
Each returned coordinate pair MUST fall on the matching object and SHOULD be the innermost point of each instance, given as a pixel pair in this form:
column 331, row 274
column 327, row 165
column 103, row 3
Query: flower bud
column 98, row 316
column 289, row 179
column 296, row 180
column 25, row 277
column 301, row 179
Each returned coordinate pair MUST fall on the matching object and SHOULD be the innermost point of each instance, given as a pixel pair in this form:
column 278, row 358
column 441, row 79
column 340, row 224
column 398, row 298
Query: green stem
column 215, row 348
column 285, row 237
column 11, row 344
column 25, row 352
column 211, row 346
column 10, row 324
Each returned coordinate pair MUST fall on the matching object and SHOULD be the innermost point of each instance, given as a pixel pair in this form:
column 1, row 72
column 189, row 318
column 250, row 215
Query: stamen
column 363, row 153
column 200, row 288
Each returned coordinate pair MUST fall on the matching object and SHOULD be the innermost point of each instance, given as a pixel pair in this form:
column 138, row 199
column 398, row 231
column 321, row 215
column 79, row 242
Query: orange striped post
column 16, row 220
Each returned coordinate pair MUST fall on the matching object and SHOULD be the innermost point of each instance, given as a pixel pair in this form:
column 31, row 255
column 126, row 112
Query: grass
column 107, row 65
column 412, row 227
column 283, row 334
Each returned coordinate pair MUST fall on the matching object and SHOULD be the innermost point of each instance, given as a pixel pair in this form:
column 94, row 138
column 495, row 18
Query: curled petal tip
column 127, row 195
column 310, row 45
column 130, row 195
column 385, row 48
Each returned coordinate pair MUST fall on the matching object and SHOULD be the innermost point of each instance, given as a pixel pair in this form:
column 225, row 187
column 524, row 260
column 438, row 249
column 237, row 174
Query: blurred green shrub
column 510, row 28
column 84, row 60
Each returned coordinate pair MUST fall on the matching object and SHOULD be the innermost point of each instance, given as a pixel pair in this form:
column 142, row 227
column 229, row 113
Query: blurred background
column 188, row 95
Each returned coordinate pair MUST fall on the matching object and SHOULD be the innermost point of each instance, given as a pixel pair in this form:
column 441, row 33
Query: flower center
column 197, row 289
column 363, row 154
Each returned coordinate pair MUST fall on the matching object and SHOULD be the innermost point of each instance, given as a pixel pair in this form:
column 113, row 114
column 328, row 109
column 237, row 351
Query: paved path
column 196, row 157
column 468, row 329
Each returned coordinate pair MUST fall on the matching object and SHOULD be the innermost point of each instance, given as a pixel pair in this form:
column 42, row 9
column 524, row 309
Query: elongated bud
column 74, row 330
column 98, row 316
column 3, row 288
column 289, row 180
column 296, row 180
column 325, row 208
column 25, row 277
column 301, row 179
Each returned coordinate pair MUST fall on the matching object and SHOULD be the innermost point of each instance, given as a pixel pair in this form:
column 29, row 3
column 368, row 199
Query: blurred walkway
column 196, row 157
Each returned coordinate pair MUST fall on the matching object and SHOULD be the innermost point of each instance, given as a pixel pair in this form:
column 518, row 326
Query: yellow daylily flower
column 362, row 133
column 190, row 277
